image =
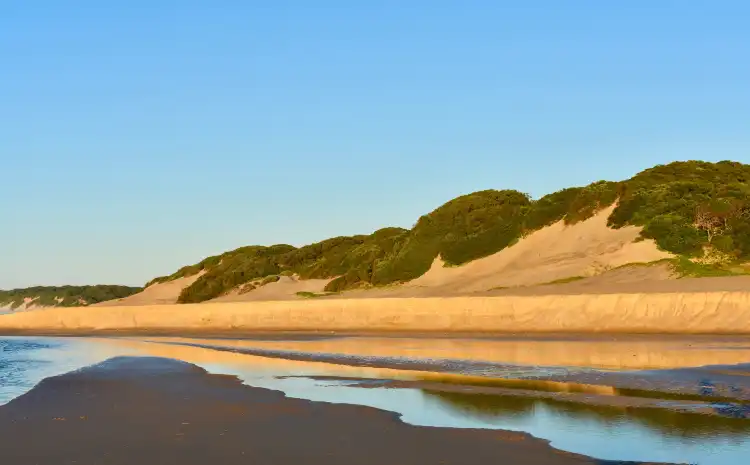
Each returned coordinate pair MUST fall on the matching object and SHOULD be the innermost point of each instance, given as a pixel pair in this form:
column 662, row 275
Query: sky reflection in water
column 603, row 432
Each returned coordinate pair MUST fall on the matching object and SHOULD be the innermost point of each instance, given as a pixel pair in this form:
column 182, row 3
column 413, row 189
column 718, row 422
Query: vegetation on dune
column 350, row 258
column 683, row 267
column 65, row 296
column 232, row 269
column 689, row 206
column 694, row 209
column 569, row 279
column 312, row 295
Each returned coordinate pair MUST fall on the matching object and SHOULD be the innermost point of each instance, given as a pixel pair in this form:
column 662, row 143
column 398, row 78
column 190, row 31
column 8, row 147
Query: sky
column 137, row 137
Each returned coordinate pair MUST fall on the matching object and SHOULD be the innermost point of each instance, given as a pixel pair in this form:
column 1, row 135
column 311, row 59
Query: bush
column 675, row 234
column 683, row 206
column 66, row 296
column 269, row 279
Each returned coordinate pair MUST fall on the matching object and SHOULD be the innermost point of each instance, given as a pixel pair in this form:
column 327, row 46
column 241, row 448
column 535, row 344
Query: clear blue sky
column 138, row 136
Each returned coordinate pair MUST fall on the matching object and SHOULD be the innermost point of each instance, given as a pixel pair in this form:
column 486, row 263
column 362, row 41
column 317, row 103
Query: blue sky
column 139, row 136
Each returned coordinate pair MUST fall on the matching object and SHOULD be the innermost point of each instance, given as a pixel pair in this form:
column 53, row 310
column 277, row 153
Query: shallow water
column 607, row 432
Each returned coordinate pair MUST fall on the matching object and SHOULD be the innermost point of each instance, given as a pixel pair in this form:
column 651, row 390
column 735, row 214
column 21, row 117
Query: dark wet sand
column 159, row 411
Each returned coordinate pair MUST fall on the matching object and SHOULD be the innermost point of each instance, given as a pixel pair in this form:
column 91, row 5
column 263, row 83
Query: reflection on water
column 614, row 353
column 661, row 421
column 544, row 386
column 604, row 431
column 25, row 361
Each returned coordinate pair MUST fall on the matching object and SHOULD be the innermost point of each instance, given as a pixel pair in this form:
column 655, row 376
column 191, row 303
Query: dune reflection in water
column 608, row 432
column 623, row 353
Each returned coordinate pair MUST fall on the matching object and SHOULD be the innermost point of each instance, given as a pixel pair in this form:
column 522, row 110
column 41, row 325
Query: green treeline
column 686, row 207
column 65, row 296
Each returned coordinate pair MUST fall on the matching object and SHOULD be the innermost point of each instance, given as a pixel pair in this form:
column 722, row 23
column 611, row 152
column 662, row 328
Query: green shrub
column 247, row 288
column 550, row 209
column 683, row 206
column 685, row 268
column 312, row 295
column 270, row 279
column 66, row 296
column 569, row 279
column 675, row 234
column 306, row 294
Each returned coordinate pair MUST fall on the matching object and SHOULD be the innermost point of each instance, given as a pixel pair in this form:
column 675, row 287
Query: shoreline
column 158, row 410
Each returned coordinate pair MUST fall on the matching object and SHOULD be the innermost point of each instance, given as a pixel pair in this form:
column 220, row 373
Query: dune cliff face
column 692, row 313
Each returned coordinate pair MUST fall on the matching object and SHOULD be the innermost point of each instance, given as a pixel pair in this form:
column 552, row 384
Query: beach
column 657, row 313
column 328, row 398
column 158, row 410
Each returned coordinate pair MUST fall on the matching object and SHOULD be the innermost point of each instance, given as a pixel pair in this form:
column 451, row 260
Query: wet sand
column 160, row 411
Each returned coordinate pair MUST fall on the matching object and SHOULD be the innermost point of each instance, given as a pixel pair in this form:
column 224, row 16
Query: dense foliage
column 688, row 208
column 685, row 206
column 350, row 258
column 480, row 224
column 65, row 296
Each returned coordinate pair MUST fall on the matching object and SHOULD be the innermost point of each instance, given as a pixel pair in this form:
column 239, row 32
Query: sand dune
column 710, row 312
column 589, row 250
column 156, row 294
column 285, row 288
column 556, row 252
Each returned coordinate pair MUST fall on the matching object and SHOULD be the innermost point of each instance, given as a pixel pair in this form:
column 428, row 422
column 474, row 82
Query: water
column 26, row 361
column 602, row 431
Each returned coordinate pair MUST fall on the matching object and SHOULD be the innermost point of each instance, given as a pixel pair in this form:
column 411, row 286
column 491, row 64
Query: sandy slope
column 558, row 251
column 284, row 289
column 156, row 294
column 587, row 249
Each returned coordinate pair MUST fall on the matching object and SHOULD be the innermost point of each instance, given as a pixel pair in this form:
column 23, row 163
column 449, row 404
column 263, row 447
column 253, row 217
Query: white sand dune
column 156, row 294
column 588, row 249
column 556, row 252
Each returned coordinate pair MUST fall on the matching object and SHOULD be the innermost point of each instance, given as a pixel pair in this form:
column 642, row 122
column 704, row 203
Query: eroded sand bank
column 679, row 313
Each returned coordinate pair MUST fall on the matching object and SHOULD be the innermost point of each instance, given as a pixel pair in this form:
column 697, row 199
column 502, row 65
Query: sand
column 161, row 411
column 285, row 288
column 675, row 313
column 556, row 252
column 607, row 261
column 509, row 291
column 156, row 294
column 588, row 248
